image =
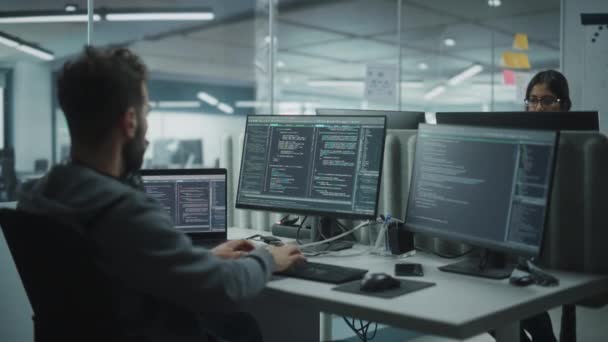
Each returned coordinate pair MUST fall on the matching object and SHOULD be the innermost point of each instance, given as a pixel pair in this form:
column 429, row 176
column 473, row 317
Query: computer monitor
column 177, row 153
column 557, row 121
column 189, row 152
column 195, row 199
column 327, row 166
column 394, row 119
column 482, row 186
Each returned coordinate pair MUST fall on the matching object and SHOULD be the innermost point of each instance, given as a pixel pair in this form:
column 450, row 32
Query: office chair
column 70, row 298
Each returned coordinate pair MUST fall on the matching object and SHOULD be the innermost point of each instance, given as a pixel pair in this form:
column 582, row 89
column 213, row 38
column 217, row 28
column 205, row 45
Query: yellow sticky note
column 516, row 60
column 520, row 42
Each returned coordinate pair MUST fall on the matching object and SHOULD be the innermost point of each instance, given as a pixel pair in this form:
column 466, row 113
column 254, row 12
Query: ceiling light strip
column 25, row 47
column 465, row 75
column 160, row 16
column 207, row 98
column 434, row 92
column 63, row 18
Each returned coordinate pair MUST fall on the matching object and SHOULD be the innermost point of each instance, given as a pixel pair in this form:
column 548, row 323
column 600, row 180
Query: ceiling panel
column 296, row 36
column 542, row 26
column 292, row 60
column 352, row 50
column 538, row 56
column 239, row 33
column 479, row 9
column 361, row 17
column 210, row 52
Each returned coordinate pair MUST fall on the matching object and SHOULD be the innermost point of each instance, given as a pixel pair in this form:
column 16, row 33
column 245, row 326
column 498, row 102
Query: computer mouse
column 376, row 282
column 524, row 280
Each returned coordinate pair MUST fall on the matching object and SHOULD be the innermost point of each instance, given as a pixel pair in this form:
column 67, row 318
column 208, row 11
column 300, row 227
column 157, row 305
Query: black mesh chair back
column 70, row 297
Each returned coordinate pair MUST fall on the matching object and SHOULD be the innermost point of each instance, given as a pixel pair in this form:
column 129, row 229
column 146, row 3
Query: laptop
column 194, row 198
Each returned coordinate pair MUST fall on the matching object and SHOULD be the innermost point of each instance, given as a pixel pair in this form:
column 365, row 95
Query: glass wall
column 31, row 48
column 207, row 73
column 411, row 55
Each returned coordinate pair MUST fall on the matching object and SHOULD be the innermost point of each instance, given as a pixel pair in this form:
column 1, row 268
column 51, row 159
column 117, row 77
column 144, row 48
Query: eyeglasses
column 545, row 101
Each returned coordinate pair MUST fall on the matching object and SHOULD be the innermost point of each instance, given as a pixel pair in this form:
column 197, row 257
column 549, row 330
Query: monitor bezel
column 197, row 236
column 485, row 243
column 522, row 119
column 421, row 116
column 324, row 213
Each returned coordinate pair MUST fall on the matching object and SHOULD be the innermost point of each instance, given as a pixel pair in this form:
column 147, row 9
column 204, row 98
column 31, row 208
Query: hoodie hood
column 86, row 195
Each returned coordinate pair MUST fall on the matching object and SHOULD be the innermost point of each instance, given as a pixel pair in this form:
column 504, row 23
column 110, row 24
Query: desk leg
column 508, row 332
column 282, row 318
column 326, row 325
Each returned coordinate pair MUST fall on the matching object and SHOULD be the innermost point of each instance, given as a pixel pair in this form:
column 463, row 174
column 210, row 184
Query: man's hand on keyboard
column 285, row 256
column 233, row 249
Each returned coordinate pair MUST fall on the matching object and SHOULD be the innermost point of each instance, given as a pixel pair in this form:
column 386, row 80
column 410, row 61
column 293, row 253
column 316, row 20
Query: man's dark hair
column 556, row 83
column 96, row 88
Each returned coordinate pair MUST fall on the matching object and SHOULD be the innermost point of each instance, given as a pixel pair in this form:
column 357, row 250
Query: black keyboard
column 323, row 272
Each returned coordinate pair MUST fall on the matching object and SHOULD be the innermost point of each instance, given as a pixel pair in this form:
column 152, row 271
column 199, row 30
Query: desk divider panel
column 577, row 231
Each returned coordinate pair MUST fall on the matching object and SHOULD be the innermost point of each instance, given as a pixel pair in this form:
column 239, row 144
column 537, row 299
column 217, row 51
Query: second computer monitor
column 482, row 186
column 325, row 166
column 558, row 121
column 394, row 119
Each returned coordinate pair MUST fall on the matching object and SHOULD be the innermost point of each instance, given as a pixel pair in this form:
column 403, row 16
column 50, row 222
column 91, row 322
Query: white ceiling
column 317, row 40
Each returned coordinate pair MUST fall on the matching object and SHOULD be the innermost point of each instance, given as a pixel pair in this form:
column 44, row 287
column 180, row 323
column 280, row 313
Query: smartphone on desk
column 407, row 269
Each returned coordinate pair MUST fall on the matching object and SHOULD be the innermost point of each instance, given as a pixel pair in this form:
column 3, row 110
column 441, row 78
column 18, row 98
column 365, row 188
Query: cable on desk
column 334, row 238
column 300, row 226
column 344, row 229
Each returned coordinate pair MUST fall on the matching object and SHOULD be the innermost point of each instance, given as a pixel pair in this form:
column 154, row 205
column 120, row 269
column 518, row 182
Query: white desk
column 458, row 306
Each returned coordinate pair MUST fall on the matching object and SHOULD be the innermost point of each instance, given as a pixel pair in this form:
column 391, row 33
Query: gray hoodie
column 157, row 267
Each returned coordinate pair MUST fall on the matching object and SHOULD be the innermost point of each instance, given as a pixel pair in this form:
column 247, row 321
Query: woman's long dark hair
column 556, row 83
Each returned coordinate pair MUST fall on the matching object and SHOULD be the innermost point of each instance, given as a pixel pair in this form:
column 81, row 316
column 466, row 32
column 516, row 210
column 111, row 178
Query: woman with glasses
column 548, row 92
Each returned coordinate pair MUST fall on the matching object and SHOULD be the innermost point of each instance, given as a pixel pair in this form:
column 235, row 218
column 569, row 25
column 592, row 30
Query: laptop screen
column 194, row 199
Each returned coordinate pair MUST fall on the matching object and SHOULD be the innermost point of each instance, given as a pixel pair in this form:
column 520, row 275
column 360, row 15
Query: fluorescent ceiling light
column 494, row 3
column 36, row 52
column 449, row 42
column 434, row 92
column 24, row 47
column 179, row 104
column 205, row 97
column 71, row 8
column 280, row 64
column 423, row 66
column 160, row 16
column 465, row 75
column 8, row 42
column 251, row 104
column 225, row 108
column 64, row 18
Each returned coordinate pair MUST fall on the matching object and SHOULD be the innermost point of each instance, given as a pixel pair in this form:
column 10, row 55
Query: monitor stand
column 489, row 265
column 324, row 227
